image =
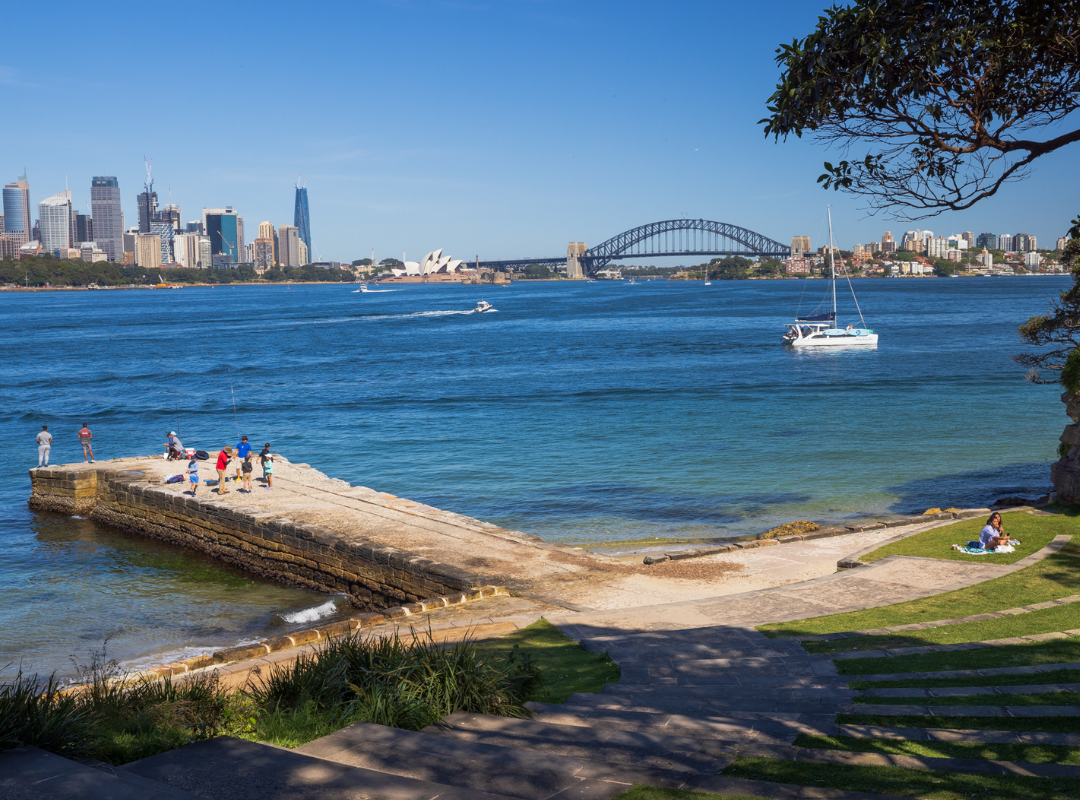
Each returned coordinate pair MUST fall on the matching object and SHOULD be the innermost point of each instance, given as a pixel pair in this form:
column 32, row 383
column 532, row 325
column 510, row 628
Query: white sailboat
column 822, row 330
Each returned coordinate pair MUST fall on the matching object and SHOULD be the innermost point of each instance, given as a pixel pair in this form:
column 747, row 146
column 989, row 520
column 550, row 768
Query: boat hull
column 866, row 340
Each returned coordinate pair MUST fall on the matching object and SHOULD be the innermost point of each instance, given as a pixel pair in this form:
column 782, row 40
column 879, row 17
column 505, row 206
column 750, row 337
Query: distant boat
column 821, row 330
column 483, row 306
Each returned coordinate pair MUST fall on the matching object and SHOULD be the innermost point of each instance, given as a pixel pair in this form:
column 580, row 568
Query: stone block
column 279, row 643
column 368, row 619
column 337, row 628
column 397, row 612
column 198, row 662
column 305, row 637
column 241, row 653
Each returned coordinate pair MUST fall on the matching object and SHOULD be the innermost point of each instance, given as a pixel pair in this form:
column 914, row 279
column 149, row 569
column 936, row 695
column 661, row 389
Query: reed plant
column 403, row 683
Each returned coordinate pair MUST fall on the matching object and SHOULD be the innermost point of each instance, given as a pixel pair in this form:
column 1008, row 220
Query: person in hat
column 175, row 446
column 223, row 459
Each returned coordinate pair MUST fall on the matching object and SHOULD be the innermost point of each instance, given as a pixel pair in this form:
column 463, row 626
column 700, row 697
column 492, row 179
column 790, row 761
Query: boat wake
column 372, row 291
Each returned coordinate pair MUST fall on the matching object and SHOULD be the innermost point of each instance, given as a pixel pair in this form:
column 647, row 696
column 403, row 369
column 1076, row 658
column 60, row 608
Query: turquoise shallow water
column 578, row 412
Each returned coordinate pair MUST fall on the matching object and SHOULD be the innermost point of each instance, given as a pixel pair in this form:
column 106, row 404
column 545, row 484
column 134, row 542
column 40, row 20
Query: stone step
column 655, row 653
column 514, row 768
column 964, row 673
column 738, row 787
column 960, row 736
column 720, row 672
column 823, row 704
column 968, row 691
column 234, row 769
column 965, row 711
column 27, row 773
column 665, row 750
column 781, row 725
column 965, row 765
column 772, row 687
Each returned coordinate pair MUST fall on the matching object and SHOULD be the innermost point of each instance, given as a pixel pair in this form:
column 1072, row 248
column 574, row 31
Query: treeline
column 735, row 268
column 46, row 269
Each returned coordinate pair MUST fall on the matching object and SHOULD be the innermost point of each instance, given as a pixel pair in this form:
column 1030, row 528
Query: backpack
column 202, row 455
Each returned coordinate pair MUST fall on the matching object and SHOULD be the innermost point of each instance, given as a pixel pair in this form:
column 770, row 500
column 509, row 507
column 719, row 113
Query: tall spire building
column 301, row 217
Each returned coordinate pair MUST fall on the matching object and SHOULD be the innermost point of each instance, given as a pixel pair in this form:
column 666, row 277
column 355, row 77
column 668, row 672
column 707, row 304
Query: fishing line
column 233, row 392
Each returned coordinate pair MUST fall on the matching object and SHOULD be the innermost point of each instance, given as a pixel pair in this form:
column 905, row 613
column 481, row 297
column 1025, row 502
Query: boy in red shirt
column 85, row 439
column 223, row 459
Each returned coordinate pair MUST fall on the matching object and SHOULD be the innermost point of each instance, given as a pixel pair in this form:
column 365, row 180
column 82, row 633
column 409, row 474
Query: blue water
column 579, row 412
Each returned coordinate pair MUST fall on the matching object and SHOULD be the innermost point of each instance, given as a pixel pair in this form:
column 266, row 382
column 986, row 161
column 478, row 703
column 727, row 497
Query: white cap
column 172, row 433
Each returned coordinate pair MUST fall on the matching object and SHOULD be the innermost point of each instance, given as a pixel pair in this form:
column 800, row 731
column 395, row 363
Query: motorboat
column 483, row 306
column 821, row 330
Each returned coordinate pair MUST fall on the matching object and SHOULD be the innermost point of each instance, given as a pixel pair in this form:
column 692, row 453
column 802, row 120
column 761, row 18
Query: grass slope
column 641, row 792
column 1046, row 620
column 1030, row 724
column 929, row 785
column 565, row 667
column 1059, row 651
column 1026, row 753
column 1029, row 679
column 1040, row 699
column 1055, row 576
column 938, row 542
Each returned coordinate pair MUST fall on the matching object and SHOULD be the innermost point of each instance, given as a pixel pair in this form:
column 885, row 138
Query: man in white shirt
column 44, row 445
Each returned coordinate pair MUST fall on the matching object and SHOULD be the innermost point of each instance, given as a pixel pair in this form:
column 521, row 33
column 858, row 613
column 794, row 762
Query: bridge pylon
column 574, row 270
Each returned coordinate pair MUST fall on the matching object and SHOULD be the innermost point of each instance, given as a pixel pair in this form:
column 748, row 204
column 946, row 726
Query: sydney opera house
column 433, row 264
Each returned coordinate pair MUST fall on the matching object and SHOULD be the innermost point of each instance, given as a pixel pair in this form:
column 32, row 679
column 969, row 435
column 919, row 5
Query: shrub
column 39, row 713
column 1070, row 372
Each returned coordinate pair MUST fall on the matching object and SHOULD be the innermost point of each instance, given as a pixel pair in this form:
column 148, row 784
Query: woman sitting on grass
column 993, row 535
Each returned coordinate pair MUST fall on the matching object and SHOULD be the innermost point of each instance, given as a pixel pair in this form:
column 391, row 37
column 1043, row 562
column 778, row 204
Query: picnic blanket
column 979, row 551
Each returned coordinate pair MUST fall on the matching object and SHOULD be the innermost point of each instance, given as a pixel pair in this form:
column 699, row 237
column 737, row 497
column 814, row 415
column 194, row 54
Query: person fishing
column 175, row 447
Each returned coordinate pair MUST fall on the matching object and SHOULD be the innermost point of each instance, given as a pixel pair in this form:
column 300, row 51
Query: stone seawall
column 373, row 575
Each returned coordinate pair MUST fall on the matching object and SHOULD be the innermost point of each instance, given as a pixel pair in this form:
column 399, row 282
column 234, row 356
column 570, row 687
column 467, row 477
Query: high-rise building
column 301, row 217
column 170, row 214
column 987, row 241
column 54, row 217
column 108, row 219
column 206, row 252
column 304, row 257
column 1032, row 260
column 1061, row 242
column 266, row 231
column 196, row 226
column 969, row 237
column 888, row 244
column 264, row 251
column 165, row 232
column 288, row 246
column 221, row 226
column 1005, row 242
column 937, row 247
column 1025, row 243
column 84, row 229
column 148, row 250
column 148, row 210
column 186, row 249
column 17, row 225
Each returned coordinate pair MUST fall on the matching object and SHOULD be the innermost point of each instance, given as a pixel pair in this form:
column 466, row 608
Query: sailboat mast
column 832, row 267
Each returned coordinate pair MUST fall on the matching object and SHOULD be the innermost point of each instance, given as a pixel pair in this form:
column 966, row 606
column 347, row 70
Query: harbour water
column 582, row 412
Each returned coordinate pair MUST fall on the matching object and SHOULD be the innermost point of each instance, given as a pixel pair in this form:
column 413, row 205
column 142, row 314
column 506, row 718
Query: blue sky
column 504, row 129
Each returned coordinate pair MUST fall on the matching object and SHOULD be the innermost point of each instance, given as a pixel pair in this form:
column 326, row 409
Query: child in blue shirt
column 193, row 475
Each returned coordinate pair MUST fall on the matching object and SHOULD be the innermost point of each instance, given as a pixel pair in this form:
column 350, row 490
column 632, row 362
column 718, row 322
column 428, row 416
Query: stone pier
column 316, row 532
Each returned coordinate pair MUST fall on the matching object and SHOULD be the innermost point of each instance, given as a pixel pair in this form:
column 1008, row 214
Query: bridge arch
column 678, row 237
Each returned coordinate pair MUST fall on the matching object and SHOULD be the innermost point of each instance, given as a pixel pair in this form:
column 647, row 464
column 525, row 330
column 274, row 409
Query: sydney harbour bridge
column 672, row 237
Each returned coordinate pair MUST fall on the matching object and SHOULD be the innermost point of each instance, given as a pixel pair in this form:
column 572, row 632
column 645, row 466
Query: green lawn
column 1031, row 530
column 1028, row 753
column 1046, row 620
column 1055, row 576
column 565, row 667
column 1041, row 724
column 1040, row 699
column 1059, row 651
column 1053, row 676
column 930, row 785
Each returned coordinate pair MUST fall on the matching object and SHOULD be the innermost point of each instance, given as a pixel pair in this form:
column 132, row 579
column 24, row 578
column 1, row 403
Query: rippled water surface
column 578, row 412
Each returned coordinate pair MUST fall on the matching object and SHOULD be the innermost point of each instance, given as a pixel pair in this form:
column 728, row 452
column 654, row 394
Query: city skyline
column 548, row 149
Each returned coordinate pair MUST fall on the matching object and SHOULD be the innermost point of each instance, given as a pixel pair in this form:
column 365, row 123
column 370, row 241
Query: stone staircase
column 688, row 703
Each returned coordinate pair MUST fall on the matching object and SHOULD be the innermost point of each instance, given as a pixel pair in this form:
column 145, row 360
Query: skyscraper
column 108, row 219
column 148, row 210
column 54, row 216
column 170, row 214
column 220, row 226
column 301, row 217
column 17, row 225
column 84, row 229
column 288, row 246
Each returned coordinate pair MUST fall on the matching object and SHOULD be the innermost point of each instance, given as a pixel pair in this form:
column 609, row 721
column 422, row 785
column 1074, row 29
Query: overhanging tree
column 944, row 101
